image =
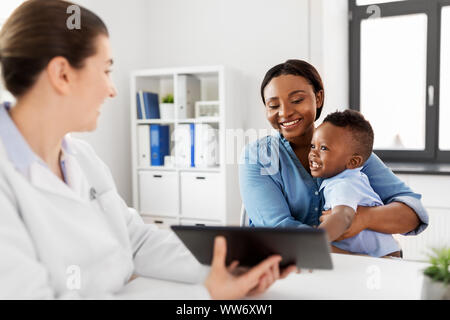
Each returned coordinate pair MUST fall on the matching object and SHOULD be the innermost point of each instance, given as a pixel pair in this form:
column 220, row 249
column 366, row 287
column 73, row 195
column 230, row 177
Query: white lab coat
column 55, row 242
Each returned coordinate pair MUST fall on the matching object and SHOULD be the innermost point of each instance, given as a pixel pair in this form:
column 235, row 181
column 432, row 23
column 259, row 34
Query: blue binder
column 192, row 127
column 159, row 144
column 139, row 110
column 151, row 103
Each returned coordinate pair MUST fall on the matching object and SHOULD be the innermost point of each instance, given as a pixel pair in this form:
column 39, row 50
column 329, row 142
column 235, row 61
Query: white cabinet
column 192, row 222
column 194, row 191
column 434, row 190
column 435, row 198
column 201, row 196
column 156, row 193
column 163, row 223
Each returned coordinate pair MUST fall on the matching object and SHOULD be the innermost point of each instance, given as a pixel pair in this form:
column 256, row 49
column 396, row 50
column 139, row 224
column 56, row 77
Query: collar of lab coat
column 76, row 188
column 22, row 157
column 17, row 149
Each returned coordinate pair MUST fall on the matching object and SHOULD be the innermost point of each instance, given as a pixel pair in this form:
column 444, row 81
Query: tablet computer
column 305, row 247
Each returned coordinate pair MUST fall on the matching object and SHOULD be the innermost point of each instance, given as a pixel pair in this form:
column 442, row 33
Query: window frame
column 432, row 8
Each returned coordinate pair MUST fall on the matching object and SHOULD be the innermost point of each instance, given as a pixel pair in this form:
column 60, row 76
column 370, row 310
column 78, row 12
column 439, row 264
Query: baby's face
column 331, row 150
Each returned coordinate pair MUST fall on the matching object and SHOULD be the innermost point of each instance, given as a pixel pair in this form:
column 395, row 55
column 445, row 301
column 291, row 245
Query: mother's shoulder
column 373, row 163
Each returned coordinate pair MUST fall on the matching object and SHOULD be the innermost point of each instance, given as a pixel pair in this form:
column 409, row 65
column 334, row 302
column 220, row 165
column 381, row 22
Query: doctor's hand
column 235, row 283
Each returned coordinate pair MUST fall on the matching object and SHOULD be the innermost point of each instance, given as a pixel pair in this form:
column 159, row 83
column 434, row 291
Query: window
column 364, row 2
column 400, row 76
column 444, row 101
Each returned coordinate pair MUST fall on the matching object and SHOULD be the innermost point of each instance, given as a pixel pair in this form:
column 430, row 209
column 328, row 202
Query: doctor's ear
column 60, row 72
column 355, row 161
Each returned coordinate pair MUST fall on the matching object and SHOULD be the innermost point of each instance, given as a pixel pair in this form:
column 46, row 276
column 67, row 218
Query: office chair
column 244, row 219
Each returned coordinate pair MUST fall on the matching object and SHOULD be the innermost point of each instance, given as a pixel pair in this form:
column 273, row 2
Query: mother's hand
column 358, row 223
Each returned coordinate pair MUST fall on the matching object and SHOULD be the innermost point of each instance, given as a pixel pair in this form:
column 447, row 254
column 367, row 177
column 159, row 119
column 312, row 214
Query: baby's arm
column 338, row 221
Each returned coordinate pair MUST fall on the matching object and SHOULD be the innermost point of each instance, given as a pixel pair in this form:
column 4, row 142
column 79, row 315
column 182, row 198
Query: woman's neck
column 301, row 147
column 42, row 130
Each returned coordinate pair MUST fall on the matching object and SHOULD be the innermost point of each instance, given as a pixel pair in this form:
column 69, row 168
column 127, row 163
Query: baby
column 339, row 148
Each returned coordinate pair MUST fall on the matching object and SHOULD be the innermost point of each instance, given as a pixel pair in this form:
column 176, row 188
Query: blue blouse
column 277, row 191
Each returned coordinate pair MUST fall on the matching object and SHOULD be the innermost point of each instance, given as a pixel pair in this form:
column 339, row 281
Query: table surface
column 352, row 277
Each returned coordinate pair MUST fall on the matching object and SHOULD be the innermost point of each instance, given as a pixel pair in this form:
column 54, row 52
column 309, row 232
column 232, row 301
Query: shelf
column 156, row 168
column 189, row 195
column 171, row 121
column 156, row 121
column 170, row 72
column 214, row 169
column 200, row 120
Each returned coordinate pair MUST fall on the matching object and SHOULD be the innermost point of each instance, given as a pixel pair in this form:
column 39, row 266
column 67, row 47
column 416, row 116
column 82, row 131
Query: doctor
column 64, row 230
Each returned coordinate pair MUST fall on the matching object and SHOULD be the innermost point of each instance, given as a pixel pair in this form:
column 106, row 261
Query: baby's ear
column 355, row 161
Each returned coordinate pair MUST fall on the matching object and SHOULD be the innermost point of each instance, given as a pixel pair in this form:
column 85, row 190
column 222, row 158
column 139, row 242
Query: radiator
column 436, row 235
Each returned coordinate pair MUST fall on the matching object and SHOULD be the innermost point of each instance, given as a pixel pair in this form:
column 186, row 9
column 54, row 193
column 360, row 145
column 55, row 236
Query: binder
column 159, row 144
column 140, row 105
column 144, row 145
column 192, row 133
column 206, row 146
column 183, row 147
column 147, row 105
column 188, row 93
column 151, row 104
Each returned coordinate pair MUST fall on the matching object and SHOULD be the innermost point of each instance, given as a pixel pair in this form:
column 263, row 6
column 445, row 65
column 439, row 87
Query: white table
column 352, row 277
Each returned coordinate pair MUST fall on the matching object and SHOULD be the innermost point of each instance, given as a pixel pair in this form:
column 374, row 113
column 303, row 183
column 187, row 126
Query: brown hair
column 296, row 68
column 36, row 32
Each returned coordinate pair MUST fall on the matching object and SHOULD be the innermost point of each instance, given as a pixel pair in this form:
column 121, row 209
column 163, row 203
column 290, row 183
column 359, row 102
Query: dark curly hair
column 360, row 128
column 297, row 68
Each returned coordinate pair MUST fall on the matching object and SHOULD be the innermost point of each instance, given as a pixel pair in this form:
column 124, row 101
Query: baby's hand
column 358, row 225
column 325, row 215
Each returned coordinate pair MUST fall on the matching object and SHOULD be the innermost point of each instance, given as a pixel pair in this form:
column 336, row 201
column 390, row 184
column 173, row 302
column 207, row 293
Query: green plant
column 440, row 262
column 168, row 98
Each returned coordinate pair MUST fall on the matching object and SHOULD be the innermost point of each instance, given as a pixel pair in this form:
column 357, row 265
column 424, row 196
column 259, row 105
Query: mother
column 282, row 193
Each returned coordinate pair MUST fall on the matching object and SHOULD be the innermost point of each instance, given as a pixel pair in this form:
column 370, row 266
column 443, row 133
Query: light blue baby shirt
column 351, row 188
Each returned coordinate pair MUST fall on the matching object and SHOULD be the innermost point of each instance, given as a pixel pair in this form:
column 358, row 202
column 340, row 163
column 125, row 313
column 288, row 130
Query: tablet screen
column 305, row 247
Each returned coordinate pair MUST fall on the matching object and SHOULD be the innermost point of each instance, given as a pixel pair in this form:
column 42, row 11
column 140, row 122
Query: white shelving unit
column 184, row 195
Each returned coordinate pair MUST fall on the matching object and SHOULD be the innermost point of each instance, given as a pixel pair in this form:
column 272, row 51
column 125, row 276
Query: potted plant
column 167, row 107
column 436, row 282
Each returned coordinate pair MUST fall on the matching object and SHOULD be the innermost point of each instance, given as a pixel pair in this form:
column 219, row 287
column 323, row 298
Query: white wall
column 127, row 25
column 250, row 36
column 329, row 51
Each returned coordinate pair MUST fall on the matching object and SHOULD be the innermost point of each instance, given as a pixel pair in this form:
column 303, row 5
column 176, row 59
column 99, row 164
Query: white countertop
column 352, row 277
